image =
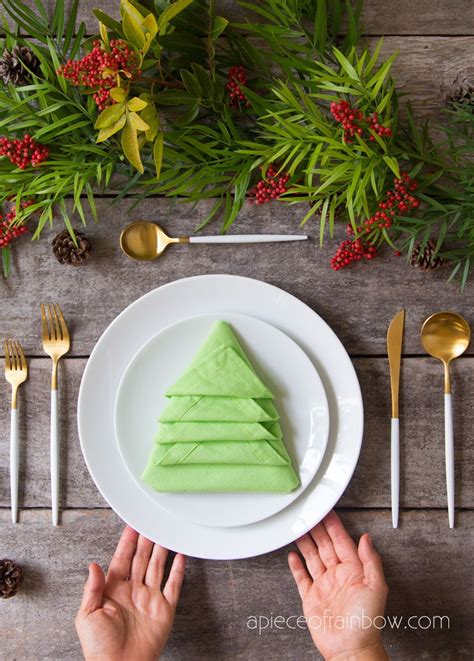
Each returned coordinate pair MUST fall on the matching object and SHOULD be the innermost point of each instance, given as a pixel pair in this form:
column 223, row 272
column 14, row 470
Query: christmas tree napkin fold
column 181, row 432
column 220, row 429
column 199, row 408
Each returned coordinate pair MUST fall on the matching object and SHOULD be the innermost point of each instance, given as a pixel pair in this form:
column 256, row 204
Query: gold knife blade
column 394, row 350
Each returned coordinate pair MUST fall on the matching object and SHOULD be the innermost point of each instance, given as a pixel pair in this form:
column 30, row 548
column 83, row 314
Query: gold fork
column 16, row 373
column 56, row 343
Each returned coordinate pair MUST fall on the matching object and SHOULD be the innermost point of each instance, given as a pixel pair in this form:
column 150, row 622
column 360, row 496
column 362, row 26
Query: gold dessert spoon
column 445, row 336
column 145, row 241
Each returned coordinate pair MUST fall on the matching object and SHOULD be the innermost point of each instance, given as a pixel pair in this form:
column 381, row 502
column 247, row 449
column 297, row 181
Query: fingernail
column 369, row 540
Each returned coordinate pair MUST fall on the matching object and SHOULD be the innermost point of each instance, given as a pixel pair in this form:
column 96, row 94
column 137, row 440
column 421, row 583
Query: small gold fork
column 56, row 343
column 16, row 373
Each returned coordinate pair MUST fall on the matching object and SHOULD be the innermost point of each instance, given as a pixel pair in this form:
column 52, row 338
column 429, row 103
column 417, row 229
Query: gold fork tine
column 51, row 326
column 7, row 355
column 44, row 324
column 21, row 356
column 57, row 329
column 13, row 355
column 62, row 321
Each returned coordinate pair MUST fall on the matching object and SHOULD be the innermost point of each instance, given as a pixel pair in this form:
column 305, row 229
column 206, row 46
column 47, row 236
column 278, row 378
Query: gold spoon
column 446, row 335
column 145, row 241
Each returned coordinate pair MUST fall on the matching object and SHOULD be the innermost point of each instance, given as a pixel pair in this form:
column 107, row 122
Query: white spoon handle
column 248, row 238
column 395, row 467
column 449, row 445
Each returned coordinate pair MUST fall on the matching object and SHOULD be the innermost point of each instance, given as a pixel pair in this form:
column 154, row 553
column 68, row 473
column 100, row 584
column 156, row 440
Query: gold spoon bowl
column 445, row 336
column 146, row 241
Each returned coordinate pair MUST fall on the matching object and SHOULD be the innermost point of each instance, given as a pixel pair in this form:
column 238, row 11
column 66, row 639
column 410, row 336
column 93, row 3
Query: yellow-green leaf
column 136, row 104
column 133, row 31
column 104, row 34
column 118, row 94
column 130, row 146
column 152, row 118
column 158, row 153
column 110, row 130
column 110, row 115
column 150, row 26
column 170, row 12
column 127, row 9
column 137, row 122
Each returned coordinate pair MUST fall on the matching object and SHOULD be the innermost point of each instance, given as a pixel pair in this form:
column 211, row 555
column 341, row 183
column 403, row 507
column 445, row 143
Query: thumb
column 372, row 563
column 93, row 589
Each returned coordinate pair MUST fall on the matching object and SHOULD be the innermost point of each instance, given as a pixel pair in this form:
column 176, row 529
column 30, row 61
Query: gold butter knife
column 394, row 349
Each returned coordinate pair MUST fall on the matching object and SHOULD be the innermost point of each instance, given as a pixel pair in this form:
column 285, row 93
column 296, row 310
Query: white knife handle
column 14, row 462
column 395, row 464
column 247, row 238
column 449, row 446
column 54, row 458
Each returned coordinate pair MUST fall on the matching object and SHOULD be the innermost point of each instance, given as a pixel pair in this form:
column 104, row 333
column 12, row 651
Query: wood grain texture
column 357, row 302
column 422, row 434
column 380, row 17
column 219, row 597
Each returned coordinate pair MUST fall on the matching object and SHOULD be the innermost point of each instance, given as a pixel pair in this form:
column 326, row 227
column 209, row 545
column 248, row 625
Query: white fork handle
column 54, row 458
column 395, row 469
column 14, row 461
column 449, row 446
column 247, row 238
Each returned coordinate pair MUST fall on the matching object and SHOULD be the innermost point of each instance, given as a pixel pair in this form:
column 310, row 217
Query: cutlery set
column 445, row 336
column 56, row 343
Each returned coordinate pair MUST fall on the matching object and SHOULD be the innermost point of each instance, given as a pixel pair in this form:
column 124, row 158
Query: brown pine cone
column 67, row 252
column 425, row 259
column 15, row 66
column 10, row 578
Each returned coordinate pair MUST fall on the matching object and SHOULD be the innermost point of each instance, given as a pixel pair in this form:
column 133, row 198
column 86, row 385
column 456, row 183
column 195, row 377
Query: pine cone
column 12, row 65
column 67, row 252
column 10, row 578
column 425, row 259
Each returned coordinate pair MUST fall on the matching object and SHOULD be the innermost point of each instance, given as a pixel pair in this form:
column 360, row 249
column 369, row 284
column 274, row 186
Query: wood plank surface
column 357, row 302
column 379, row 17
column 219, row 597
column 422, row 434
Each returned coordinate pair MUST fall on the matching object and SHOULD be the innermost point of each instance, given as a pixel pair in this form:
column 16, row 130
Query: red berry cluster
column 398, row 199
column 270, row 187
column 23, row 152
column 374, row 124
column 352, row 250
column 7, row 232
column 97, row 70
column 237, row 77
column 354, row 122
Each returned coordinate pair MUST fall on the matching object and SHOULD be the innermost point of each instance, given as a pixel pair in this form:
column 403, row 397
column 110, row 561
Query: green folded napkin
column 220, row 429
column 179, row 432
column 271, row 453
column 200, row 478
column 225, row 409
column 223, row 373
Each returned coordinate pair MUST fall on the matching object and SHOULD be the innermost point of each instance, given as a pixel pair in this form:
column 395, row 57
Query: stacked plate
column 295, row 353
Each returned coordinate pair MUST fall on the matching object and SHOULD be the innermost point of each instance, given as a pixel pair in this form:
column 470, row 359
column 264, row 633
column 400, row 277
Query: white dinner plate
column 206, row 295
column 283, row 367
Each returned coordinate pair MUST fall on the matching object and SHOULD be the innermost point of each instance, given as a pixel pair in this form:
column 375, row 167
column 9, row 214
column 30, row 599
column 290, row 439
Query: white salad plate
column 219, row 295
column 283, row 367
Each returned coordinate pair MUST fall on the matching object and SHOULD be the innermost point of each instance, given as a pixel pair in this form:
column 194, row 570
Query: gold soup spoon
column 145, row 241
column 446, row 335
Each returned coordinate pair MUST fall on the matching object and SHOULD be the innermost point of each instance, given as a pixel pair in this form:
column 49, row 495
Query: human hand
column 341, row 587
column 126, row 616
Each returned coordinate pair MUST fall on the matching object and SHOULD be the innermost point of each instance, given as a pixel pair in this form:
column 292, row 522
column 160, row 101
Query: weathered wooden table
column 428, row 566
